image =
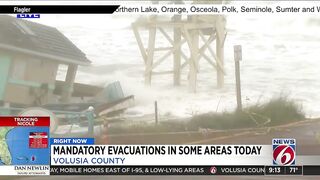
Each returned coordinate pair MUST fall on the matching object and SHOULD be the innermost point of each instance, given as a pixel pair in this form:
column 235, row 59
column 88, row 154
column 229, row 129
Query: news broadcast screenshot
column 211, row 89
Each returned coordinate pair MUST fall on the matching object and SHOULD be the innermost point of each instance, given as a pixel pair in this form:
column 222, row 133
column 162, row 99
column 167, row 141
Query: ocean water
column 280, row 57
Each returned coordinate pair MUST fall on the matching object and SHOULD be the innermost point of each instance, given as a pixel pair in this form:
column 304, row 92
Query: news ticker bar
column 59, row 9
column 185, row 170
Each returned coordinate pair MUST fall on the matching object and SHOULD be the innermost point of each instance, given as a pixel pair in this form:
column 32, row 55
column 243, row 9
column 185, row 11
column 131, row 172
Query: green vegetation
column 275, row 112
column 280, row 111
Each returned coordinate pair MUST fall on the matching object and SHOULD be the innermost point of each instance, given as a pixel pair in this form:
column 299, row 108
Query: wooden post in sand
column 237, row 58
column 156, row 112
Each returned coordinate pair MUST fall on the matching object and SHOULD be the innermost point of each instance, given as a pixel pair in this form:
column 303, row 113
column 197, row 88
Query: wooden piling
column 220, row 56
column 150, row 52
column 209, row 29
column 177, row 52
column 194, row 48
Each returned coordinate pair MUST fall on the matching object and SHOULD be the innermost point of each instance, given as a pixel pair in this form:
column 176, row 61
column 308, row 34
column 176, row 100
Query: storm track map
column 24, row 141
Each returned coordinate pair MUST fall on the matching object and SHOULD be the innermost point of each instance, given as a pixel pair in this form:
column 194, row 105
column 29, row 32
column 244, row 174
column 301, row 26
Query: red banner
column 24, row 121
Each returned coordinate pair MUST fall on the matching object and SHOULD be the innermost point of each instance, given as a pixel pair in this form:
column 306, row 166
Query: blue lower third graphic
column 68, row 141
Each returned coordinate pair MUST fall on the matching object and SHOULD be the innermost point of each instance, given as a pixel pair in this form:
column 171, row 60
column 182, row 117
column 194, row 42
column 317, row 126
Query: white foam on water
column 280, row 56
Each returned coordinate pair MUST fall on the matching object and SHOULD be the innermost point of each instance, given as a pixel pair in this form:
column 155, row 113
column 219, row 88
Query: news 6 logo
column 213, row 170
column 284, row 152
